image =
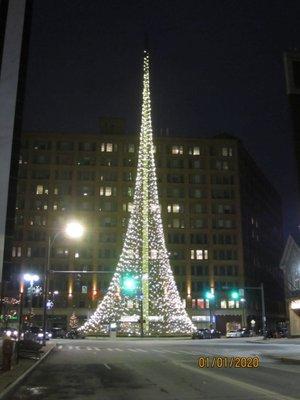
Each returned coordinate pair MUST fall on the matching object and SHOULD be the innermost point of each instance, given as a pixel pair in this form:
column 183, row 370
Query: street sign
column 84, row 289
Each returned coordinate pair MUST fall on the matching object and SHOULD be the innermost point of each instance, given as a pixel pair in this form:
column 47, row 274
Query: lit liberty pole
column 146, row 128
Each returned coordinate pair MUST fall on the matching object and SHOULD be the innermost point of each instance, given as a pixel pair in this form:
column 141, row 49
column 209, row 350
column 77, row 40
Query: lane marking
column 88, row 348
column 59, row 347
column 109, row 349
column 133, row 350
column 77, row 348
column 70, row 347
column 158, row 351
column 144, row 351
column 96, row 348
column 117, row 349
column 107, row 366
column 235, row 382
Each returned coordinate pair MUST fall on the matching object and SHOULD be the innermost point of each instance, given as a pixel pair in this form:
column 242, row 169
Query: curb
column 13, row 385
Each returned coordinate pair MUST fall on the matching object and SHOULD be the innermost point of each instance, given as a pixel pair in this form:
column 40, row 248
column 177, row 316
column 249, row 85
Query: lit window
column 177, row 150
column 205, row 254
column 76, row 255
column 45, row 207
column 55, row 207
column 106, row 191
column 231, row 304
column 223, row 304
column 109, row 147
column 131, row 148
column 176, row 208
column 130, row 207
column 19, row 251
column 39, row 189
column 199, row 254
column 226, row 151
column 195, row 151
column 29, row 252
column 55, row 190
column 13, row 252
column 237, row 304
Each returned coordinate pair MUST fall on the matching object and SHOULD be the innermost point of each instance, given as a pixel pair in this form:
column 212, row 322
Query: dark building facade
column 221, row 217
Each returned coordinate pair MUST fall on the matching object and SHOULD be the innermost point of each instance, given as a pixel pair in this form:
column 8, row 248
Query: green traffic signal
column 209, row 295
column 129, row 285
column 234, row 295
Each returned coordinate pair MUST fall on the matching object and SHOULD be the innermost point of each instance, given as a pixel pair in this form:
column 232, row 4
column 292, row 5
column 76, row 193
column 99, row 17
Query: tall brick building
column 222, row 220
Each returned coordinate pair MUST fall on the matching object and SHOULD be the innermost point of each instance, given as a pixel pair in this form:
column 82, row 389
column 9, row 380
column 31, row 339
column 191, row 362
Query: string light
column 144, row 254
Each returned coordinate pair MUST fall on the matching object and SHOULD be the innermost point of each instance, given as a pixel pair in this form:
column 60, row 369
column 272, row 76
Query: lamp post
column 73, row 230
column 210, row 296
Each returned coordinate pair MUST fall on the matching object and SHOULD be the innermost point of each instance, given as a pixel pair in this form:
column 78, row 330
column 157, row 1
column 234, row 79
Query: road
column 160, row 369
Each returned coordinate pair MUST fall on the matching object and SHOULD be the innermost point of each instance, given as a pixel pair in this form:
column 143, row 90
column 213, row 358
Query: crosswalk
column 123, row 350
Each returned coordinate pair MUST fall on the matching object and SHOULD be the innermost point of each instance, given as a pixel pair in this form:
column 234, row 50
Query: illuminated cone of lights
column 144, row 256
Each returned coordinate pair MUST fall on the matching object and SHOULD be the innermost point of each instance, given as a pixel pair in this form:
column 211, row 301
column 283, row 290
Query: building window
column 174, row 208
column 108, row 147
column 231, row 303
column 107, row 191
column 194, row 151
column 128, row 207
column 39, row 189
column 223, row 304
column 177, row 150
column 227, row 151
column 199, row 254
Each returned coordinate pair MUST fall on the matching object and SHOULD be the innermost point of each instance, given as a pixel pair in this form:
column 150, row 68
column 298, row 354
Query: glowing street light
column 74, row 230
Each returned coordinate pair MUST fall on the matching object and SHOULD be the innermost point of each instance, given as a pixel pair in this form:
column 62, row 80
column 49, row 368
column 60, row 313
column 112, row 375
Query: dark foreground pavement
column 160, row 369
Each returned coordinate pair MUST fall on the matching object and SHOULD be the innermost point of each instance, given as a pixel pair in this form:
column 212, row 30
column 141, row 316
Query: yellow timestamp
column 228, row 362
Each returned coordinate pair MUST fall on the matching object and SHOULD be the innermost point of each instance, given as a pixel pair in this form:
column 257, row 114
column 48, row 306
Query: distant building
column 292, row 75
column 221, row 217
column 290, row 264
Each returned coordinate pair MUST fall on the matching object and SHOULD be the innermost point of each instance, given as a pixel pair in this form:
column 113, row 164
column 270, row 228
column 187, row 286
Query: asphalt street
column 161, row 369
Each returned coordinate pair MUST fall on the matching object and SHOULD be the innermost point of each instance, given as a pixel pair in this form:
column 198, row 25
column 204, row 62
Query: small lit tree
column 73, row 322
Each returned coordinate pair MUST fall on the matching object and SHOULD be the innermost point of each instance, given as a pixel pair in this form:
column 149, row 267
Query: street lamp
column 73, row 230
column 31, row 278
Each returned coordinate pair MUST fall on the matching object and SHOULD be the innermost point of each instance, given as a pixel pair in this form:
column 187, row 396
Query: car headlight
column 40, row 335
column 16, row 333
column 8, row 333
column 50, row 334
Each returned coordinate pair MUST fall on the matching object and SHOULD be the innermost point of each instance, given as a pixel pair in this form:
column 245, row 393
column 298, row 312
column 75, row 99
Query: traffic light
column 234, row 295
column 209, row 295
column 129, row 285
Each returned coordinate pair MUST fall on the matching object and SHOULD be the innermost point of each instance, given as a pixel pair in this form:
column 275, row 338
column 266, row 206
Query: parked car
column 245, row 332
column 75, row 334
column 202, row 334
column 58, row 333
column 215, row 334
column 36, row 333
column 234, row 333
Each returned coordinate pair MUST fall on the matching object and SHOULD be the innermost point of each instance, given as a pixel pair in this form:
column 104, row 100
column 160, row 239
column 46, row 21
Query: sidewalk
column 9, row 377
column 259, row 339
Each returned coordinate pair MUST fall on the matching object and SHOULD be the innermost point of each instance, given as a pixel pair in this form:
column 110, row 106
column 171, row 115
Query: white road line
column 70, row 347
column 88, row 348
column 158, row 351
column 144, row 351
column 118, row 349
column 170, row 351
column 107, row 366
column 59, row 347
column 109, row 349
column 96, row 348
column 77, row 348
column 186, row 352
column 133, row 350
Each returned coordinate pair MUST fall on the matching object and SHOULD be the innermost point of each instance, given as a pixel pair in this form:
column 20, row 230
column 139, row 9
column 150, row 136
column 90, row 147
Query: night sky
column 215, row 66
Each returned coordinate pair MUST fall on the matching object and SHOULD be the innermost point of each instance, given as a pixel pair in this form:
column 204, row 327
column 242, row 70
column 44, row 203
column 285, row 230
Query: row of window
column 110, row 161
column 108, row 147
